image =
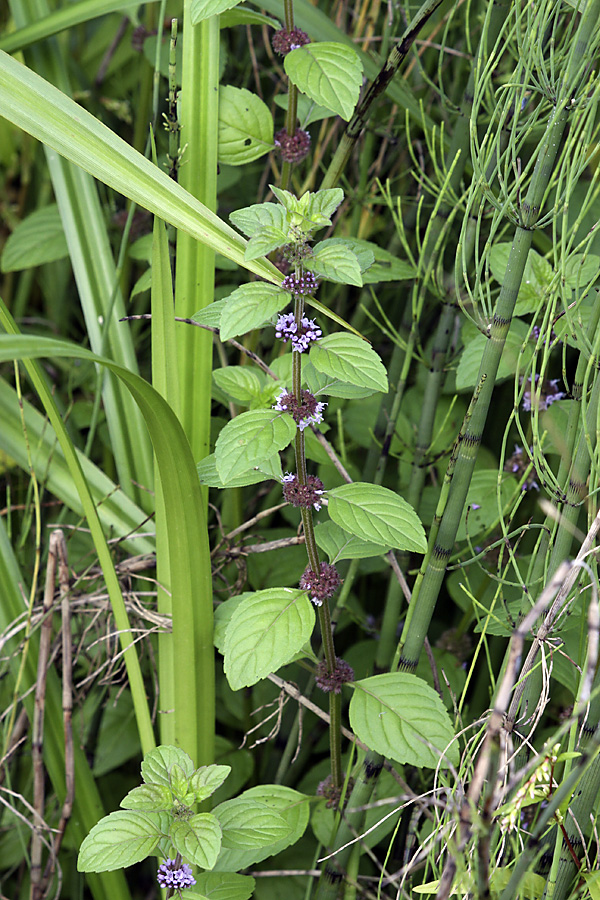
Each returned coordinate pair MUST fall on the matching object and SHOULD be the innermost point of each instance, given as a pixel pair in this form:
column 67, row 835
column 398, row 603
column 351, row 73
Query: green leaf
column 339, row 544
column 197, row 839
column 386, row 266
column 308, row 110
column 536, row 277
column 362, row 250
column 204, row 9
column 221, row 886
column 350, row 359
column 251, row 438
column 403, row 718
column 330, row 74
column 120, row 839
column 245, row 126
column 293, row 806
column 318, row 207
column 376, row 514
column 254, row 218
column 157, row 765
column 38, row 239
column 267, row 240
column 207, row 779
column 241, row 15
column 319, row 383
column 482, row 500
column 467, row 373
column 223, row 614
column 250, row 306
column 263, row 471
column 36, row 106
column 148, row 796
column 335, row 261
column 248, row 823
column 265, row 633
column 211, row 314
column 240, row 383
column 580, row 270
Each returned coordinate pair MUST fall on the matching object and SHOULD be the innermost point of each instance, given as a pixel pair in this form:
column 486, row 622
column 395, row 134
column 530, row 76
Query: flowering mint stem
column 292, row 110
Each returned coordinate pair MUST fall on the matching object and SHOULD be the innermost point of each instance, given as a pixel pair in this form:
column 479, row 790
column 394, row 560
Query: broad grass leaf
column 251, row 438
column 204, row 9
column 339, row 544
column 516, row 344
column 295, row 809
column 220, row 886
column 336, row 262
column 248, row 823
column 121, row 839
column 328, row 73
column 350, row 359
column 403, row 718
column 249, row 307
column 157, row 765
column 263, row 471
column 38, row 239
column 377, row 515
column 245, row 126
column 197, row 839
column 266, row 631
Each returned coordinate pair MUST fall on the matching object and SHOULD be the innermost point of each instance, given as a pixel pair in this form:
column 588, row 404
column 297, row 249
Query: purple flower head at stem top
column 301, row 336
column 173, row 875
column 307, row 411
column 305, row 495
column 545, row 394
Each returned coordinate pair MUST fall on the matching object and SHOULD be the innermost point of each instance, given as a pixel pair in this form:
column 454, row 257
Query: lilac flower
column 545, row 395
column 301, row 337
column 173, row 875
column 305, row 495
column 306, row 412
column 293, row 147
column 320, row 585
column 300, row 284
column 518, row 463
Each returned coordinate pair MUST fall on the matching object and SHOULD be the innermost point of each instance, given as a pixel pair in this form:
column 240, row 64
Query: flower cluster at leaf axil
column 293, row 147
column 333, row 681
column 304, row 495
column 544, row 395
column 284, row 41
column 172, row 874
column 320, row 585
column 305, row 412
column 518, row 464
column 301, row 336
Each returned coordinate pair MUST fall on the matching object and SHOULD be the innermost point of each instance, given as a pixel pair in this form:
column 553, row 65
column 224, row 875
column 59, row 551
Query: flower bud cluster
column 283, row 41
column 321, row 585
column 333, row 681
column 293, row 147
column 305, row 412
column 305, row 495
column 300, row 285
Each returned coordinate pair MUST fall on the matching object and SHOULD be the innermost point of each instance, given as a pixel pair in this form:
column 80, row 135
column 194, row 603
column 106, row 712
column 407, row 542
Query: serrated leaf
column 319, row 383
column 241, row 15
column 148, row 796
column 211, row 314
column 263, row 471
column 121, row 839
column 293, row 806
column 517, row 352
column 197, row 839
column 158, row 763
column 38, row 239
column 536, row 277
column 245, row 126
column 350, row 359
column 207, row 779
column 179, row 782
column 319, row 206
column 385, row 267
column 250, row 306
column 335, row 261
column 204, row 9
column 308, row 110
column 581, row 270
column 253, row 218
column 376, row 514
column 403, row 718
column 240, row 383
column 264, row 633
column 223, row 614
column 249, row 823
column 221, row 886
column 339, row 544
column 251, row 438
column 362, row 250
column 267, row 240
column 328, row 73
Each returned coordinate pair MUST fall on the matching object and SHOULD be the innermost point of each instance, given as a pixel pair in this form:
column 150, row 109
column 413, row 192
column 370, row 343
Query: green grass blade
column 34, row 105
